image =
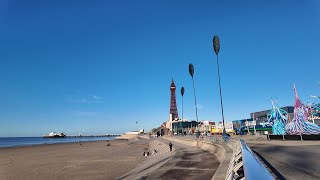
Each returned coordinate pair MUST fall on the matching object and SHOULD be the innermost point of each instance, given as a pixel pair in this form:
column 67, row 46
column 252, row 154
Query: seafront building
column 218, row 128
column 174, row 125
column 258, row 122
column 173, row 113
column 173, row 102
column 261, row 116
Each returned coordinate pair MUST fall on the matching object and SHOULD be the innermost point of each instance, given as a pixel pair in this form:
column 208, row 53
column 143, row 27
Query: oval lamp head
column 191, row 70
column 216, row 44
column 182, row 91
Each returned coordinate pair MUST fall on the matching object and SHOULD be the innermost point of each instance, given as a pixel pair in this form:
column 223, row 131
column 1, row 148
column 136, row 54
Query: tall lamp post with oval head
column 191, row 71
column 182, row 93
column 216, row 47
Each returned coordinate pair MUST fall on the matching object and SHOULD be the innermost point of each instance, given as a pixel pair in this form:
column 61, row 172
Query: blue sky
column 99, row 66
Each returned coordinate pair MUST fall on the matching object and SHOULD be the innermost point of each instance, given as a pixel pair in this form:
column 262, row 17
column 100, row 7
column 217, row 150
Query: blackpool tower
column 173, row 103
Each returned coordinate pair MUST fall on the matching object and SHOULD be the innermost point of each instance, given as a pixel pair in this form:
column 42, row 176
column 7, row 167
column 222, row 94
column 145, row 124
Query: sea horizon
column 30, row 141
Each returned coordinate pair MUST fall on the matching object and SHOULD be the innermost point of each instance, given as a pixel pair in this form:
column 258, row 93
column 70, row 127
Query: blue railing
column 243, row 164
column 252, row 167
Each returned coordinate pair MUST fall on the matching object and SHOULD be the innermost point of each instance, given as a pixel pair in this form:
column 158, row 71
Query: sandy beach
column 90, row 160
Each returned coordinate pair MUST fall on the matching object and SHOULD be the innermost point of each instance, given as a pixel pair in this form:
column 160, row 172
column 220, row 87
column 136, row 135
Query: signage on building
column 250, row 123
column 218, row 128
column 206, row 123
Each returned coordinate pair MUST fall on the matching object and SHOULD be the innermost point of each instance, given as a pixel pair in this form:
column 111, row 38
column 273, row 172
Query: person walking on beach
column 170, row 145
column 145, row 154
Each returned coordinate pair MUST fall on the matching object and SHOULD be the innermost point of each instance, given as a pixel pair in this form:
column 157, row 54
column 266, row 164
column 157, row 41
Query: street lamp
column 191, row 71
column 216, row 47
column 182, row 93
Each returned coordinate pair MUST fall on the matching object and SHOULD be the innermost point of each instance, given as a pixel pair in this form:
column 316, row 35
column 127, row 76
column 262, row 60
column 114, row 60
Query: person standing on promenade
column 170, row 145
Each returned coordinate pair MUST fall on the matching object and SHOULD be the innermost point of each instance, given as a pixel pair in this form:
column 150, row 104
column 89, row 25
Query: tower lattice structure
column 173, row 103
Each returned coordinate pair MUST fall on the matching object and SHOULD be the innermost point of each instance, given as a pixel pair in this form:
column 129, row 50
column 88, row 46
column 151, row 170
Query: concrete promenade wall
column 182, row 141
column 222, row 152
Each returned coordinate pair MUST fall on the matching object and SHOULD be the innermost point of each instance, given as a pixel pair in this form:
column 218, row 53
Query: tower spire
column 173, row 103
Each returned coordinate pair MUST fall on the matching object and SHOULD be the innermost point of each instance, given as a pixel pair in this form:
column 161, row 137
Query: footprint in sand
column 5, row 161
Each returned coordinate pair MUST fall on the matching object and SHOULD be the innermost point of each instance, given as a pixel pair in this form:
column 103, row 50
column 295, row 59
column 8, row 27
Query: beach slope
column 86, row 160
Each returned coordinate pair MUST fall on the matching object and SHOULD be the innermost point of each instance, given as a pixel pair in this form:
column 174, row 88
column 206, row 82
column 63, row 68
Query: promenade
column 291, row 159
column 124, row 160
column 184, row 162
column 187, row 163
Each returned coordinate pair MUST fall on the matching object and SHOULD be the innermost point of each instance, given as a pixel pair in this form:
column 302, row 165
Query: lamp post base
column 197, row 134
column 224, row 133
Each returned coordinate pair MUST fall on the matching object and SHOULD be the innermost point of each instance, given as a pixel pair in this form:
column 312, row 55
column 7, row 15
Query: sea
column 29, row 141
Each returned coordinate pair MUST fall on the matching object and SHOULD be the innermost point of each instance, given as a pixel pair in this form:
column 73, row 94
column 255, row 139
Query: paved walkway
column 184, row 162
column 159, row 154
column 187, row 163
column 292, row 159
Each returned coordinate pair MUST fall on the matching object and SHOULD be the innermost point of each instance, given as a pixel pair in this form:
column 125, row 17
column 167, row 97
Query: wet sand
column 91, row 160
